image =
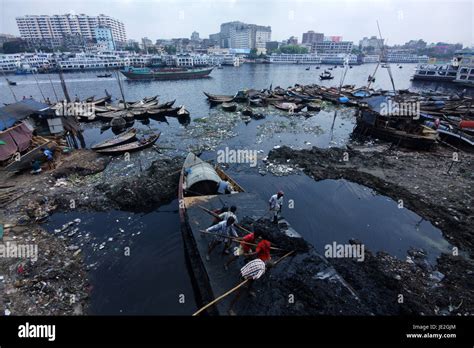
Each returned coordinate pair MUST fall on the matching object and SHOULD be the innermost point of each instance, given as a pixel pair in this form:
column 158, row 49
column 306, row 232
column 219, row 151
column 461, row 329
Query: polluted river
column 127, row 238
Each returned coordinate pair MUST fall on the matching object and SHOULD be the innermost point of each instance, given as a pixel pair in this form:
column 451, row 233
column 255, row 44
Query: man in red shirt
column 263, row 250
column 245, row 248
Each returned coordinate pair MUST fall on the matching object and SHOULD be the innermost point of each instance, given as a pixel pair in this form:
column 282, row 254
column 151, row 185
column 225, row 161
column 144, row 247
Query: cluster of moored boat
column 437, row 115
column 122, row 114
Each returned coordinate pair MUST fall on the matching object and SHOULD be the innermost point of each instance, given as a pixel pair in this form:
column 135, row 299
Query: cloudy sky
column 400, row 20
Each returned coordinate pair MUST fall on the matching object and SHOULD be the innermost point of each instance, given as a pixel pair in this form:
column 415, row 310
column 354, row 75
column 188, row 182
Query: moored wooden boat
column 131, row 147
column 290, row 107
column 218, row 99
column 119, row 139
column 313, row 106
column 229, row 106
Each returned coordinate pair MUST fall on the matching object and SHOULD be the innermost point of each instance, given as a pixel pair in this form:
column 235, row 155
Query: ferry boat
column 433, row 72
column 465, row 73
column 295, row 59
column 165, row 73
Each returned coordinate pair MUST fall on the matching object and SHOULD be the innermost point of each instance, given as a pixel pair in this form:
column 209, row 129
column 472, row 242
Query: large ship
column 165, row 73
column 447, row 72
column 465, row 75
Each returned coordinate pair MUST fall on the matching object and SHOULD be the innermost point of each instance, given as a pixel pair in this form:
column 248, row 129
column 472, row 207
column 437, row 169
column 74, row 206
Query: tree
column 292, row 49
column 170, row 49
column 16, row 46
column 253, row 53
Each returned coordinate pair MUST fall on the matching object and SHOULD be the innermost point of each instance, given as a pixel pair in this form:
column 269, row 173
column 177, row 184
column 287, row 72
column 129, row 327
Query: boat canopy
column 197, row 171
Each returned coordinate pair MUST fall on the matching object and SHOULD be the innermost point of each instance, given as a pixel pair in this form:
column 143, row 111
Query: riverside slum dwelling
column 296, row 265
column 26, row 128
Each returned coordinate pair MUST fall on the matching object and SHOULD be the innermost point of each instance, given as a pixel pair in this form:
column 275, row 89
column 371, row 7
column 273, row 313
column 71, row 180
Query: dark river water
column 153, row 278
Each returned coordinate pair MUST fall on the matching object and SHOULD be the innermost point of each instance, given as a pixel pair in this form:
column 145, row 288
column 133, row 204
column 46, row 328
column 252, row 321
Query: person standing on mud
column 222, row 231
column 49, row 157
column 275, row 204
column 251, row 272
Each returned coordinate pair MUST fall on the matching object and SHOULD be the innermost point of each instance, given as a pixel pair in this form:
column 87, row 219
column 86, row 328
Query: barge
column 165, row 73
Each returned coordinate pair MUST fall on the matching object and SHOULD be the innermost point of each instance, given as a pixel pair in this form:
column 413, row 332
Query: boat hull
column 176, row 75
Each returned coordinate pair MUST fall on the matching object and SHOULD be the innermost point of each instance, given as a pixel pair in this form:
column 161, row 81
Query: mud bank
column 308, row 284
column 422, row 182
column 56, row 283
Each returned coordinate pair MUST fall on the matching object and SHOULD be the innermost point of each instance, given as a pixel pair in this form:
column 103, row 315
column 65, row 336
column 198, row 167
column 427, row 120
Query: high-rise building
column 371, row 42
column 54, row 29
column 104, row 38
column 215, row 38
column 240, row 35
column 195, row 36
column 293, row 40
column 311, row 37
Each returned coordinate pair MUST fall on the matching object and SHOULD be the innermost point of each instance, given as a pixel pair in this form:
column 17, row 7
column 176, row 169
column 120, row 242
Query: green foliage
column 170, row 49
column 292, row 49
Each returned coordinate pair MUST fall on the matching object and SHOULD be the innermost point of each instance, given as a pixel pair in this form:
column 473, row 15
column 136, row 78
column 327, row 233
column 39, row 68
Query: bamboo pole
column 237, row 239
column 235, row 288
column 217, row 217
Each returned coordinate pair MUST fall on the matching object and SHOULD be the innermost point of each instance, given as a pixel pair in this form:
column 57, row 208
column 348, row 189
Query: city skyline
column 286, row 18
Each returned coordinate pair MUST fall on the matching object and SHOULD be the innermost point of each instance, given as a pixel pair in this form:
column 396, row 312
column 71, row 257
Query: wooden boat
column 182, row 112
column 218, row 99
column 290, row 107
column 11, row 83
column 257, row 102
column 99, row 109
column 156, row 112
column 454, row 136
column 131, row 147
column 197, row 194
column 326, row 76
column 118, row 123
column 229, row 106
column 165, row 73
column 399, row 130
column 247, row 111
column 108, row 116
column 166, row 105
column 313, row 106
column 104, row 76
column 120, row 139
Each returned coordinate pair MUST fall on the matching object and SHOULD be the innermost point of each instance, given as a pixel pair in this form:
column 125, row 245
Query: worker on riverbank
column 49, row 157
column 245, row 248
column 224, row 187
column 222, row 231
column 275, row 204
column 250, row 272
column 225, row 215
column 35, row 167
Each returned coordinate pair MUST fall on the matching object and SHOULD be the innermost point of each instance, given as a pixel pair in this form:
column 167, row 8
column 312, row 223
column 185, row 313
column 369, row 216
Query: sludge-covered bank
column 53, row 278
column 441, row 289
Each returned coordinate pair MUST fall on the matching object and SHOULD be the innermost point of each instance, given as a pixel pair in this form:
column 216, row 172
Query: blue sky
column 400, row 20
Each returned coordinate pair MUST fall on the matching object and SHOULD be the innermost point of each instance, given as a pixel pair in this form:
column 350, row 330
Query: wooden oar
column 235, row 288
column 236, row 239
